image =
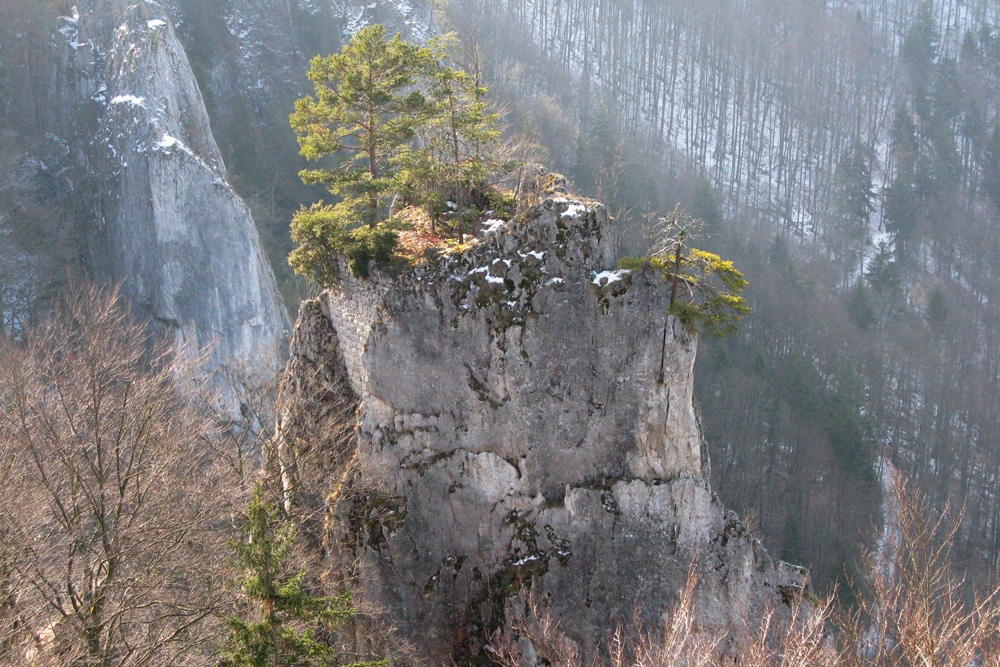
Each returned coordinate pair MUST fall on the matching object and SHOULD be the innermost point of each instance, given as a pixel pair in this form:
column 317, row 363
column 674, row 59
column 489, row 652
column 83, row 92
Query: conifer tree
column 281, row 630
column 848, row 231
column 919, row 49
column 705, row 290
column 366, row 107
column 902, row 203
column 458, row 142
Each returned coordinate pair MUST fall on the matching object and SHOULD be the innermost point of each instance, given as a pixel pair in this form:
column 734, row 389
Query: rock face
column 171, row 225
column 157, row 211
column 527, row 425
column 128, row 110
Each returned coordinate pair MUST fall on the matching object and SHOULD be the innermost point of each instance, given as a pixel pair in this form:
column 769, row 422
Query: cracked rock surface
column 528, row 426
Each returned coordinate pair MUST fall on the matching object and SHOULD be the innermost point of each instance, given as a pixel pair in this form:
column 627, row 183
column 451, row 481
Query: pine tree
column 991, row 167
column 920, row 46
column 404, row 123
column 459, row 141
column 902, row 204
column 848, row 232
column 704, row 288
column 280, row 632
column 366, row 106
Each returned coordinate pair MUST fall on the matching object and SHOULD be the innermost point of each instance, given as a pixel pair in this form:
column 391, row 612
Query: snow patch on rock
column 608, row 277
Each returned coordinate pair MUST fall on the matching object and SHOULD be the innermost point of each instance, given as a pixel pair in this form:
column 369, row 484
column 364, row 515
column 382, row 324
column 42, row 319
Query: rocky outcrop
column 127, row 121
column 143, row 174
column 527, row 425
column 170, row 223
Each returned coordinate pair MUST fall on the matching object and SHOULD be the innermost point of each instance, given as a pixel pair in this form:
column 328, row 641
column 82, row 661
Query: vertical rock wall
column 171, row 226
column 528, row 425
column 158, row 212
column 124, row 146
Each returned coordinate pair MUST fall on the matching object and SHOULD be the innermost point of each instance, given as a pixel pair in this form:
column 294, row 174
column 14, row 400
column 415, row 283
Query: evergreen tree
column 882, row 273
column 459, row 140
column 902, row 205
column 704, row 288
column 366, row 107
column 991, row 167
column 280, row 632
column 920, row 46
column 937, row 306
column 402, row 122
column 848, row 232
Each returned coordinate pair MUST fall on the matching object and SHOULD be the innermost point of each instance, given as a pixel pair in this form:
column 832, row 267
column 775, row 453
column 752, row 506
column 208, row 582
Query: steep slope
column 124, row 149
column 132, row 122
column 527, row 426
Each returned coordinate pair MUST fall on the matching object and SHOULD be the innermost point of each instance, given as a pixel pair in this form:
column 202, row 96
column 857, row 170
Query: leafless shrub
column 679, row 643
column 917, row 611
column 243, row 403
column 802, row 639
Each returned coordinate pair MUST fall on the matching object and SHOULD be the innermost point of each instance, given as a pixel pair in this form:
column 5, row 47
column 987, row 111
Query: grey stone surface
column 173, row 228
column 528, row 424
column 166, row 223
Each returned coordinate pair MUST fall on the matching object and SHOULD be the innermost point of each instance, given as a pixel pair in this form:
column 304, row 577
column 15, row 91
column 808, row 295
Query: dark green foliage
column 860, row 307
column 920, row 46
column 324, row 236
column 837, row 411
column 902, row 212
column 991, row 168
column 366, row 109
column 457, row 148
column 937, row 306
column 705, row 206
column 369, row 244
column 883, row 271
column 280, row 630
column 847, row 231
column 402, row 123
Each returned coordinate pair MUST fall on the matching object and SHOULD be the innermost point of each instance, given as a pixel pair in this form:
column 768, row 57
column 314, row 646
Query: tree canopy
column 399, row 124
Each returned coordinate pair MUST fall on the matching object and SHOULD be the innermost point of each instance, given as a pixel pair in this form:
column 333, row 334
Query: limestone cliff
column 121, row 109
column 527, row 423
column 172, row 225
column 156, row 211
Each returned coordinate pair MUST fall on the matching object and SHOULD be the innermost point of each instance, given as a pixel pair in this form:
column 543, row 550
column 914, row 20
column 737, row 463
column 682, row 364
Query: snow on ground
column 494, row 226
column 167, row 143
column 888, row 539
column 74, row 15
column 129, row 99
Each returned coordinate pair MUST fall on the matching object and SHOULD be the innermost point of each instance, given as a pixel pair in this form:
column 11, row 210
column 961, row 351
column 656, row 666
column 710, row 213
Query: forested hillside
column 846, row 154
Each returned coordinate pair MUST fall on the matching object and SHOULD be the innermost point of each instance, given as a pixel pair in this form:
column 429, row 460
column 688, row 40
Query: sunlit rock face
column 141, row 95
column 528, row 425
column 163, row 219
column 174, row 230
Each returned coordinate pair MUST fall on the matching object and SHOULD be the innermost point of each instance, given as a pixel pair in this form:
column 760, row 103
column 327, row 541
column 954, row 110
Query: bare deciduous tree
column 110, row 519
